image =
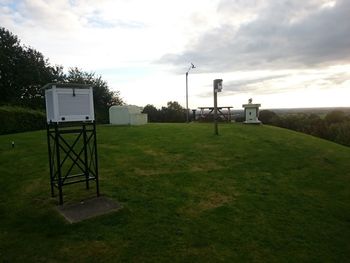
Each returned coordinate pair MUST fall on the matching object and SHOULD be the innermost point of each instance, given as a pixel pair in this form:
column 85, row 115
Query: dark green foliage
column 103, row 97
column 10, row 57
column 174, row 112
column 240, row 119
column 152, row 112
column 336, row 116
column 23, row 71
column 16, row 119
column 340, row 132
column 268, row 117
column 334, row 126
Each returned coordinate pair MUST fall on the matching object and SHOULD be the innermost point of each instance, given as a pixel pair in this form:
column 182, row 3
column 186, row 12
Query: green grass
column 252, row 194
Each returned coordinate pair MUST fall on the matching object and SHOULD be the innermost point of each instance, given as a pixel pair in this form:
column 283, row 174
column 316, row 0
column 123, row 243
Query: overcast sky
column 281, row 53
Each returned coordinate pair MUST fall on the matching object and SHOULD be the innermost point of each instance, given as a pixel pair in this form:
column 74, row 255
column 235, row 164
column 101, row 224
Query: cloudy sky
column 281, row 53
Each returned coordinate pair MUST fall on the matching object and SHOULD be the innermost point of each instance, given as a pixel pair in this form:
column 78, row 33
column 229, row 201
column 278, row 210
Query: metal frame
column 223, row 116
column 72, row 148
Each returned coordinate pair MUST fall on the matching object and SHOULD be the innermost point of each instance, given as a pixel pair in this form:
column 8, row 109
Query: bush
column 152, row 113
column 335, row 116
column 334, row 127
column 17, row 119
column 174, row 112
column 240, row 119
column 340, row 133
column 268, row 117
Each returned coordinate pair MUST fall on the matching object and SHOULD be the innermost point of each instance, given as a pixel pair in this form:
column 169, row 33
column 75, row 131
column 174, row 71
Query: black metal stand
column 72, row 155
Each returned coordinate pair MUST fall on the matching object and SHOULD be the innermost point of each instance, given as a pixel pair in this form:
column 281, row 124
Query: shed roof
column 251, row 105
column 132, row 109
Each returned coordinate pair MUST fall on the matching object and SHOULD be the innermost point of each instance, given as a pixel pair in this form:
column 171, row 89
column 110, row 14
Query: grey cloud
column 247, row 84
column 99, row 22
column 245, row 7
column 96, row 19
column 261, row 85
column 286, row 34
column 255, row 85
column 335, row 79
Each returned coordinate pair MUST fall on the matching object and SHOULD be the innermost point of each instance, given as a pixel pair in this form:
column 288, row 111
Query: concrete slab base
column 89, row 208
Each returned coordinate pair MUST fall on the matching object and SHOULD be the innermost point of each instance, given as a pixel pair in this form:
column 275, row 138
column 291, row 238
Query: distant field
column 318, row 111
column 252, row 194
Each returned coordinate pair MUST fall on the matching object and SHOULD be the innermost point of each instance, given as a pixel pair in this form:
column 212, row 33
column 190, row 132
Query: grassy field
column 252, row 194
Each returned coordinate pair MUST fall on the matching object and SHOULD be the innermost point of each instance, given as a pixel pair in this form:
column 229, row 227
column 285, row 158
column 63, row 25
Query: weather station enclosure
column 69, row 102
column 71, row 136
column 251, row 112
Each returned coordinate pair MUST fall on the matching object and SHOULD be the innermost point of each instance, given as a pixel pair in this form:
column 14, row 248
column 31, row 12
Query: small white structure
column 127, row 115
column 68, row 102
column 251, row 112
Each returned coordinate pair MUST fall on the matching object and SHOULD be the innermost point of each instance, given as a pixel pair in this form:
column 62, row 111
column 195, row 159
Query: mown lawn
column 252, row 194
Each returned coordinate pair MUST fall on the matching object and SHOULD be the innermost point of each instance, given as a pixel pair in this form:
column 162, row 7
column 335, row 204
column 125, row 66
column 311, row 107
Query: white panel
column 138, row 119
column 74, row 105
column 119, row 116
column 126, row 115
column 68, row 104
column 251, row 114
column 49, row 105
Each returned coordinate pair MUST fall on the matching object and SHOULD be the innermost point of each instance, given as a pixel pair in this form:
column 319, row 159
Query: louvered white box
column 69, row 102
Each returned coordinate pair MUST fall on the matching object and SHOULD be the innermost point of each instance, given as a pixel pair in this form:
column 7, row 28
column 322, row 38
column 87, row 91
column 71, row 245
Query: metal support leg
column 85, row 158
column 50, row 160
column 96, row 160
column 59, row 172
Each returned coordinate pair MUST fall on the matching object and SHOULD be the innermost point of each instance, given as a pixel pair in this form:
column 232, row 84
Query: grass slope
column 252, row 194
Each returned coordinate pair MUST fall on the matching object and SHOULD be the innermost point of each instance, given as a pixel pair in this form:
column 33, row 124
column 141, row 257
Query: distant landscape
column 322, row 111
column 331, row 123
column 318, row 111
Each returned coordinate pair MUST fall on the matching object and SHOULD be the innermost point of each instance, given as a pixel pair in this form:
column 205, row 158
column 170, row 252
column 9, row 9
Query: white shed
column 127, row 115
column 251, row 112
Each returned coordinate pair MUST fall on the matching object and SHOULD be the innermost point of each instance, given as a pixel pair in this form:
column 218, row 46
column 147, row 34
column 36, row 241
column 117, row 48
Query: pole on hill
column 217, row 85
column 187, row 112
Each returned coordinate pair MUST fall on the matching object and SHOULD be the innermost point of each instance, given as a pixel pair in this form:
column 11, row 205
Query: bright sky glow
column 280, row 53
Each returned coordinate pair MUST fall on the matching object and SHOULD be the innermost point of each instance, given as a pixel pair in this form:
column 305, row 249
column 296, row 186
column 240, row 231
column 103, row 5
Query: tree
column 23, row 71
column 10, row 56
column 152, row 112
column 174, row 112
column 268, row 117
column 335, row 116
column 103, row 97
column 340, row 132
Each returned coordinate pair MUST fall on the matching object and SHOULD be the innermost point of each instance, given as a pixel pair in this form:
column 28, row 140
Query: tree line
column 173, row 112
column 24, row 71
column 334, row 126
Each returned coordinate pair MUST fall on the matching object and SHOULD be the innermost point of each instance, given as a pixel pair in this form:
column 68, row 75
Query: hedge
column 17, row 119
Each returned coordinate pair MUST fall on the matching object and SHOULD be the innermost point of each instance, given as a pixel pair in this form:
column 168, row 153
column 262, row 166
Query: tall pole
column 217, row 87
column 187, row 118
column 187, row 112
column 216, row 131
